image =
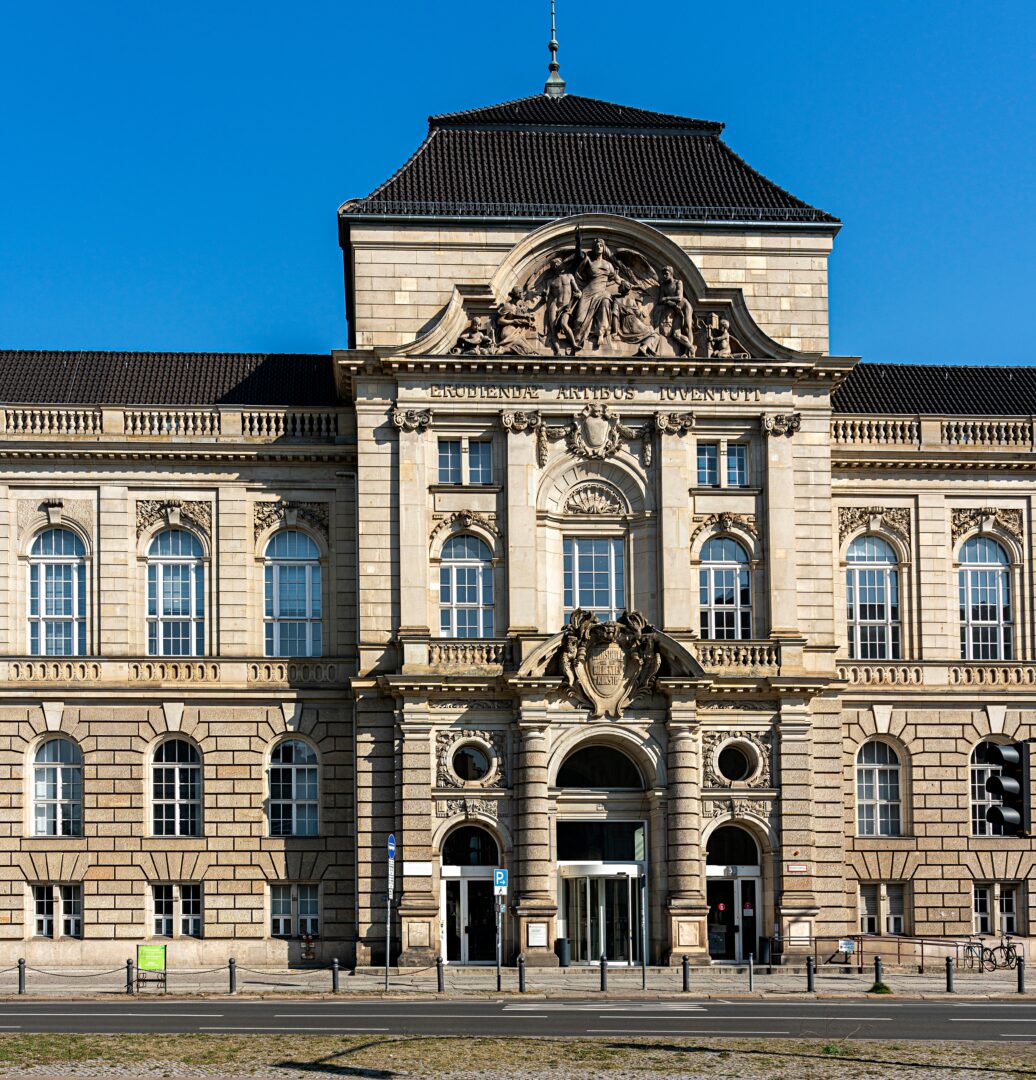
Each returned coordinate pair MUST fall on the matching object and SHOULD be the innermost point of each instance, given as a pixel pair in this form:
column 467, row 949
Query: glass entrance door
column 603, row 917
column 733, row 918
column 469, row 921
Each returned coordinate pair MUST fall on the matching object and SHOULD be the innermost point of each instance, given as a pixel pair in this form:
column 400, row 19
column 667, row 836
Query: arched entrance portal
column 733, row 888
column 602, row 858
column 469, row 855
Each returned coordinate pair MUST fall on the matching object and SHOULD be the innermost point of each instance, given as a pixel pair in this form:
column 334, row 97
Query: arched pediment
column 609, row 665
column 600, row 285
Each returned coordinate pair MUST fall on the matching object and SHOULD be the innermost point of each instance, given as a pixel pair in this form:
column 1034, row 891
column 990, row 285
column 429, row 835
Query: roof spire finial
column 555, row 86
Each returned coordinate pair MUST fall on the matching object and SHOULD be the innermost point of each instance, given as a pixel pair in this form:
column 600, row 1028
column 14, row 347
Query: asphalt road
column 685, row 1017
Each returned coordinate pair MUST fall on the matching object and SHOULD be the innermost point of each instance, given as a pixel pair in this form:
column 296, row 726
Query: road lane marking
column 115, row 1014
column 285, row 1027
column 418, row 1016
column 670, row 1031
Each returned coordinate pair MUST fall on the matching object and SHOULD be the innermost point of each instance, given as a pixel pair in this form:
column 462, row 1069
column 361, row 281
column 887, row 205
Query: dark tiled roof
column 138, row 378
column 937, row 390
column 539, row 110
column 542, row 158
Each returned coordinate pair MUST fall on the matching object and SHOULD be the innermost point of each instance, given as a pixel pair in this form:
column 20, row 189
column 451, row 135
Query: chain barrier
column 66, row 975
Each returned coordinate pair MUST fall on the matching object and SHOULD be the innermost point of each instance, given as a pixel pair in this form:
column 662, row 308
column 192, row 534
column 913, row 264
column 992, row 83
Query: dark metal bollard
column 949, row 974
column 878, row 972
column 334, row 975
column 232, row 966
column 21, row 976
column 521, row 973
column 751, row 972
column 1020, row 966
column 811, row 983
column 129, row 976
column 604, row 974
column 440, row 975
column 686, row 974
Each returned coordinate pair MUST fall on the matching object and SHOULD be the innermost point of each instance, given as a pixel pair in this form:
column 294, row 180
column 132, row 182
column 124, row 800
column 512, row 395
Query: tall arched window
column 599, row 767
column 466, row 589
column 293, row 789
column 58, row 789
column 725, row 590
column 982, row 768
column 176, row 789
column 57, row 594
column 292, row 596
column 985, row 601
column 872, row 599
column 175, row 595
column 878, row 798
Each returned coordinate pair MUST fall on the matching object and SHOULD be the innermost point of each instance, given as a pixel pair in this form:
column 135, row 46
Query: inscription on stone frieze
column 541, row 392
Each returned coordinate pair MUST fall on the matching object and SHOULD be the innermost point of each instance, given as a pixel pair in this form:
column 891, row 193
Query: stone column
column 536, row 909
column 781, row 544
column 674, row 533
column 797, row 906
column 522, row 469
column 687, row 905
column 418, row 904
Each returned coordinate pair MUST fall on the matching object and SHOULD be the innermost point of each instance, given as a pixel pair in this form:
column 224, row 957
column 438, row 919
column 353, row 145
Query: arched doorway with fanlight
column 468, row 856
column 733, row 884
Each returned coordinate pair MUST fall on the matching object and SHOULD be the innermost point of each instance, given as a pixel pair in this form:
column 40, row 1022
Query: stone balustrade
column 468, row 654
column 875, row 431
column 63, row 422
column 748, row 658
column 935, row 673
column 915, row 433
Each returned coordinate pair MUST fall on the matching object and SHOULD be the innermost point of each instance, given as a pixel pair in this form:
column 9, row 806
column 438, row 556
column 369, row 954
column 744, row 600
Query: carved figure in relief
column 677, row 317
column 476, row 340
column 560, row 295
column 719, row 339
column 593, row 316
column 516, row 327
column 630, row 322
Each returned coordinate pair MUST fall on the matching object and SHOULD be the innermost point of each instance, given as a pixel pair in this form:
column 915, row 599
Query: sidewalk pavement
column 553, row 982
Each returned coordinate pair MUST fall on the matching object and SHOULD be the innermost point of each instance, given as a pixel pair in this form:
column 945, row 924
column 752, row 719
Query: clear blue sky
column 171, row 171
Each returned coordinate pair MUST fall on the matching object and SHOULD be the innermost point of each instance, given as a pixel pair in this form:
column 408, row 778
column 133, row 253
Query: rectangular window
column 177, row 909
column 981, row 901
column 43, row 901
column 883, row 908
column 162, row 897
column 190, row 910
column 1008, row 909
column 737, row 465
column 595, row 576
column 708, row 464
column 480, row 462
column 894, row 912
column 72, row 910
column 294, row 910
column 449, row 461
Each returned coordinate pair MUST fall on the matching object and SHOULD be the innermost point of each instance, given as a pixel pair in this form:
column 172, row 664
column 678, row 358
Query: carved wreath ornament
column 759, row 742
column 596, row 432
column 609, row 665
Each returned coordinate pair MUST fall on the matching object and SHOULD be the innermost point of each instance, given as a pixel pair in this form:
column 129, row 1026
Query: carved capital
column 412, row 419
column 894, row 519
column 674, row 423
column 782, row 423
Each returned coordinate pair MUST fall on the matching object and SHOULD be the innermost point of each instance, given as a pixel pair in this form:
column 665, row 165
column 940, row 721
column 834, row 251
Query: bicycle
column 972, row 952
column 1008, row 950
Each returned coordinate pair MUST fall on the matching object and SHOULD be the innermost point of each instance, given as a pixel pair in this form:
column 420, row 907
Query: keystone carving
column 596, row 432
column 712, row 741
column 609, row 665
column 986, row 518
column 782, row 423
column 33, row 512
column 445, row 808
column 595, row 498
column 446, row 743
column 412, row 419
column 464, row 519
column 174, row 512
column 674, row 423
column 894, row 519
column 741, row 808
column 266, row 515
column 725, row 521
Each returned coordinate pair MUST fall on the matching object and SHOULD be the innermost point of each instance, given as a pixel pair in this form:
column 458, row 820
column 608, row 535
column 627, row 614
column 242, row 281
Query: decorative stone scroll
column 596, row 432
column 174, row 511
column 895, row 519
column 445, row 808
column 963, row 521
column 725, row 521
column 674, row 423
column 609, row 665
column 464, row 519
column 712, row 741
column 447, row 742
column 595, row 498
column 412, row 419
column 288, row 512
column 782, row 423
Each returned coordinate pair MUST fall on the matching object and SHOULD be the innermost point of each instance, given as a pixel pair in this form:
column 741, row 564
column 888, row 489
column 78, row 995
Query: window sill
column 438, row 488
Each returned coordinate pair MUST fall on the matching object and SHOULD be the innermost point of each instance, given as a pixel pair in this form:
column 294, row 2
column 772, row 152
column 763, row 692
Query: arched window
column 293, row 789
column 730, row 845
column 599, row 767
column 982, row 768
column 292, row 595
column 176, row 789
column 470, row 846
column 872, row 599
column 466, row 589
column 57, row 594
column 985, row 601
column 725, row 591
column 878, row 798
column 58, row 789
column 175, row 595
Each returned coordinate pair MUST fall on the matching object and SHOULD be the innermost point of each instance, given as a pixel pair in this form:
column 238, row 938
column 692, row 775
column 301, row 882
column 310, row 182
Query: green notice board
column 150, row 958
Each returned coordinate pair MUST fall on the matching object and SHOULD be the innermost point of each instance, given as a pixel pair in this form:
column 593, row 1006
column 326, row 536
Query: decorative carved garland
column 412, row 419
column 963, row 521
column 192, row 511
column 56, row 511
column 674, row 423
column 782, row 423
column 289, row 512
column 447, row 741
column 895, row 519
column 761, row 741
column 726, row 521
column 596, row 432
column 595, row 498
column 762, row 808
column 464, row 519
column 468, row 807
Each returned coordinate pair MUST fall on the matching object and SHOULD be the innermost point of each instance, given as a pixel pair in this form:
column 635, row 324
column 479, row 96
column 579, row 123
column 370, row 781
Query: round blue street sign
column 392, row 845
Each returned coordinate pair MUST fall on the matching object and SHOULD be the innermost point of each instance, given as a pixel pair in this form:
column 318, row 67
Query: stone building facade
column 585, row 560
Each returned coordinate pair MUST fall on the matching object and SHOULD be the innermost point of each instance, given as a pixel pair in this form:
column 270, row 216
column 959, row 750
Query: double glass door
column 603, row 918
column 470, row 921
column 733, row 918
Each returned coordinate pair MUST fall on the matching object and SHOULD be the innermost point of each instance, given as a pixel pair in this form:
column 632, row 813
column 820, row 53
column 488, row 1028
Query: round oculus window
column 734, row 764
column 470, row 762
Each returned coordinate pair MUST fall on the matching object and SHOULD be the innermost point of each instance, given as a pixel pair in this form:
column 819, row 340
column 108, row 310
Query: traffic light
column 1011, row 786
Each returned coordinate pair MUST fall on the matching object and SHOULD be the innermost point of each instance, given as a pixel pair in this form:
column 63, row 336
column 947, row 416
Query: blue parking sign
column 499, row 882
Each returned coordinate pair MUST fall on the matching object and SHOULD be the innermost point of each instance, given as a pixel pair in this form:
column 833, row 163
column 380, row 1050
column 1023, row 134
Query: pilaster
column 522, row 581
column 780, row 529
